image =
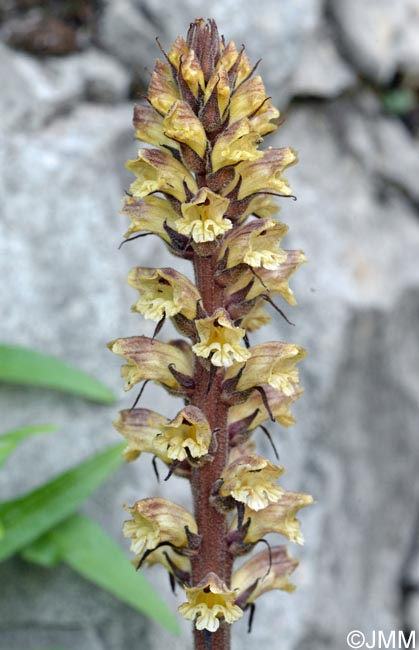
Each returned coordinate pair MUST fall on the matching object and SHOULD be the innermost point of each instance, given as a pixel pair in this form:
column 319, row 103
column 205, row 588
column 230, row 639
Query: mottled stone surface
column 355, row 446
column 379, row 36
column 321, row 71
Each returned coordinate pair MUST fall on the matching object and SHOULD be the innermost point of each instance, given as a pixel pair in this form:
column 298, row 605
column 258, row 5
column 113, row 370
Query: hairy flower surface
column 189, row 432
column 237, row 143
column 256, row 244
column 265, row 173
column 208, row 602
column 250, row 480
column 203, row 217
column 273, row 281
column 149, row 215
column 148, row 359
column 279, row 517
column 279, row 405
column 163, row 293
column 156, row 521
column 264, row 572
column 139, row 428
column 158, row 171
column 270, row 363
column 220, row 340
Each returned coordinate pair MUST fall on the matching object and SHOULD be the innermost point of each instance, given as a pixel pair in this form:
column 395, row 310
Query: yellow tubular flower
column 148, row 359
column 149, row 215
column 158, row 171
column 177, row 562
column 256, row 318
column 203, row 217
column 182, row 125
column 260, row 205
column 162, row 91
column 188, row 431
column 256, row 244
column 178, row 51
column 155, row 521
column 265, row 173
column 186, row 62
column 279, row 405
column 230, row 57
column 261, row 120
column 279, row 517
column 264, row 572
column 250, row 480
column 247, row 448
column 220, row 340
column 163, row 292
column 148, row 125
column 247, row 99
column 272, row 281
column 139, row 428
column 237, row 143
column 208, row 602
column 272, row 363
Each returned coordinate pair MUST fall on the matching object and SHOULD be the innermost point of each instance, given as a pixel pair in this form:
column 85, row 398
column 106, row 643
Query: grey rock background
column 65, row 136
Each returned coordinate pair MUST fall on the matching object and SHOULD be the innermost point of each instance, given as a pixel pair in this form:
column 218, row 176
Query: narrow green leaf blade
column 20, row 365
column 87, row 548
column 27, row 518
column 11, row 439
column 43, row 551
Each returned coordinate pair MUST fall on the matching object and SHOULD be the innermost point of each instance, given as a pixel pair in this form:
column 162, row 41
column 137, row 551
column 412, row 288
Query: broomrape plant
column 208, row 190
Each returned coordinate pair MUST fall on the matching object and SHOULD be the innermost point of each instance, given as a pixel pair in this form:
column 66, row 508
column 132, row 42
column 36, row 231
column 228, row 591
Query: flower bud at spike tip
column 210, row 189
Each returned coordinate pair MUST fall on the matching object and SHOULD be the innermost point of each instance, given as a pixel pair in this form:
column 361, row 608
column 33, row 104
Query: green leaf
column 24, row 366
column 399, row 100
column 88, row 549
column 11, row 439
column 43, row 551
column 25, row 519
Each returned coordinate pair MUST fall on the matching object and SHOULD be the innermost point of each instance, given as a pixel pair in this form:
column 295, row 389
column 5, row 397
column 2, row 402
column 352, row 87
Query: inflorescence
column 208, row 190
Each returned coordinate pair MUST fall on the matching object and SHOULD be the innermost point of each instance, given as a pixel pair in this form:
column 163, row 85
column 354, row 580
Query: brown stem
column 212, row 525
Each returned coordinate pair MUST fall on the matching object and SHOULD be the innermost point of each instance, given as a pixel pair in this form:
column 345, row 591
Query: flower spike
column 209, row 188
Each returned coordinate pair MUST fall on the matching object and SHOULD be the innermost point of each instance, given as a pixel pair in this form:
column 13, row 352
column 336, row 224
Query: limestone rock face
column 380, row 36
column 64, row 138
